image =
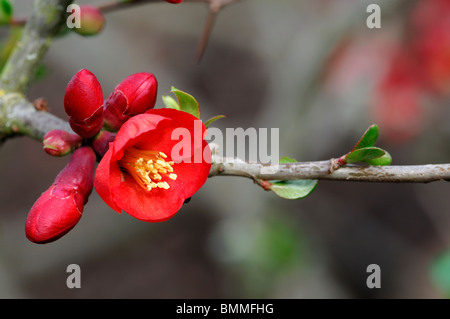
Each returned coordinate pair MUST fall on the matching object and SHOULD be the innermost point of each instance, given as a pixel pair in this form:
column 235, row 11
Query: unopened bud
column 60, row 208
column 60, row 142
column 136, row 94
column 100, row 143
column 83, row 103
column 92, row 21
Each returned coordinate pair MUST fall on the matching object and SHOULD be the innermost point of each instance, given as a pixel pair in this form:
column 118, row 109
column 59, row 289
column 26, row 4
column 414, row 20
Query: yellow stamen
column 148, row 168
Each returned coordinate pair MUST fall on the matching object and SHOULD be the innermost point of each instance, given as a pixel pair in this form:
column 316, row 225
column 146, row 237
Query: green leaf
column 368, row 139
column 293, row 189
column 440, row 273
column 187, row 102
column 6, row 11
column 384, row 160
column 287, row 159
column 364, row 154
column 213, row 119
column 170, row 102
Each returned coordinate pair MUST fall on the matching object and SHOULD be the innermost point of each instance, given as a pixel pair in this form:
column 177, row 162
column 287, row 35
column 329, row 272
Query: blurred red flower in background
column 418, row 71
column 408, row 71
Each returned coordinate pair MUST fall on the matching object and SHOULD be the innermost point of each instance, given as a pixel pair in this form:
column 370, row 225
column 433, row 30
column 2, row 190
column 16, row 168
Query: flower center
column 148, row 168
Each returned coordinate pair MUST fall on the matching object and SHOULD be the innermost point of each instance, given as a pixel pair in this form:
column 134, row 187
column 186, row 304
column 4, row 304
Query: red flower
column 59, row 208
column 430, row 21
column 149, row 171
column 174, row 1
column 398, row 100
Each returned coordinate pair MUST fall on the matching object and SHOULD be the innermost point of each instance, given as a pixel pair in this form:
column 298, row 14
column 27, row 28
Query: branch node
column 335, row 164
column 40, row 104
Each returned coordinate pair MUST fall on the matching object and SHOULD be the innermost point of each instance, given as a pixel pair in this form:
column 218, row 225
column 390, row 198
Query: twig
column 46, row 20
column 321, row 170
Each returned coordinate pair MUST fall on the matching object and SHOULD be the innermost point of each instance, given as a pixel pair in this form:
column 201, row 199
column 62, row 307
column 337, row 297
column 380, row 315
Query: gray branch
column 46, row 20
column 17, row 115
column 322, row 170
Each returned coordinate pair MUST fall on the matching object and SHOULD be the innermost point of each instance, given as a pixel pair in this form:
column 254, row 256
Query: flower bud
column 134, row 95
column 60, row 208
column 100, row 143
column 83, row 103
column 174, row 1
column 92, row 21
column 60, row 142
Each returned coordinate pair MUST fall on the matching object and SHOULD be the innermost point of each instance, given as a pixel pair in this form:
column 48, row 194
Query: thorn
column 203, row 42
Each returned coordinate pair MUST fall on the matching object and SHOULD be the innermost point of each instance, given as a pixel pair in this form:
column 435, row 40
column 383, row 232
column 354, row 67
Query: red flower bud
column 134, row 95
column 92, row 21
column 174, row 1
column 83, row 103
column 100, row 144
column 60, row 142
column 59, row 208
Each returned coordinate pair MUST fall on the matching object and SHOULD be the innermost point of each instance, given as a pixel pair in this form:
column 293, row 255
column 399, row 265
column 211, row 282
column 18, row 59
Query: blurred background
column 311, row 68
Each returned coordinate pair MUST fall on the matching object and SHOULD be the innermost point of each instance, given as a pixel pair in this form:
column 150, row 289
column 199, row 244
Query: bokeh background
column 311, row 68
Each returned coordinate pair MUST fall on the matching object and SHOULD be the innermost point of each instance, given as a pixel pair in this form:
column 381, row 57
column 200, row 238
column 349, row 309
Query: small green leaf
column 368, row 139
column 170, row 102
column 293, row 189
column 6, row 11
column 287, row 159
column 440, row 273
column 187, row 102
column 364, row 154
column 384, row 160
column 213, row 119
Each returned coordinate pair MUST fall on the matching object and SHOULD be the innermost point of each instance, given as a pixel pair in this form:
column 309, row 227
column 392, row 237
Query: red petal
column 104, row 175
column 156, row 205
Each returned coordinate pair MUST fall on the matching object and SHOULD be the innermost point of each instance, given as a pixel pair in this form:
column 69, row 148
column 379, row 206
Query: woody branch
column 18, row 116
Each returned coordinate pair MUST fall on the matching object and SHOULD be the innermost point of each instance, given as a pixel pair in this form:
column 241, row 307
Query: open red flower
column 157, row 161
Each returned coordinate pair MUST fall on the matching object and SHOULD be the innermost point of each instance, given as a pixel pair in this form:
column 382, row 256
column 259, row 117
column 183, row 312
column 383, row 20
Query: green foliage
column 365, row 151
column 263, row 250
column 440, row 273
column 8, row 43
column 213, row 119
column 369, row 138
column 170, row 102
column 186, row 102
column 6, row 12
column 364, row 154
column 292, row 189
column 384, row 160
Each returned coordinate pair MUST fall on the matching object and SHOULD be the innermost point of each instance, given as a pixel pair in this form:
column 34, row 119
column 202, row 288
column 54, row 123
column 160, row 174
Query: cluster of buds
column 95, row 122
column 60, row 207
